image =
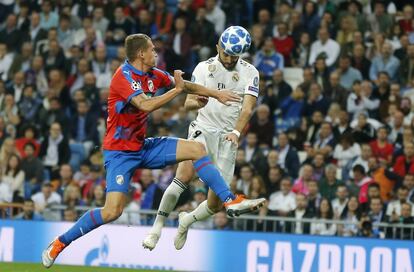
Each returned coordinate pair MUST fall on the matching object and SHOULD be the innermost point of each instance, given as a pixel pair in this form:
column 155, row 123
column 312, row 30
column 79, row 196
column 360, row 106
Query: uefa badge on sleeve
column 135, row 85
column 120, row 179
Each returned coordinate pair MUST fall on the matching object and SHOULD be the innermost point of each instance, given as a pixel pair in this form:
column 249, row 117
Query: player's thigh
column 185, row 171
column 189, row 150
column 119, row 169
column 159, row 152
column 226, row 159
column 213, row 202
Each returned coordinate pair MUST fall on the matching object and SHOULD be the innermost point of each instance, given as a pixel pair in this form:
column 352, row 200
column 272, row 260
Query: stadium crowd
column 337, row 145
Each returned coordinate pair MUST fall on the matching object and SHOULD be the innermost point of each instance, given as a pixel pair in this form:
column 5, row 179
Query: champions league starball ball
column 235, row 40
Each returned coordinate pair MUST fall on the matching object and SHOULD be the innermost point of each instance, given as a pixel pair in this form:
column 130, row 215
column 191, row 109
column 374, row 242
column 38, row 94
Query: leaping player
column 217, row 127
column 126, row 148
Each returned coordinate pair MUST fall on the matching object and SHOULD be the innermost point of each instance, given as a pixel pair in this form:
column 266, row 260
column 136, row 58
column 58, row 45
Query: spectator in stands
column 313, row 129
column 283, row 42
column 329, row 183
column 96, row 178
column 215, row 15
column 405, row 163
column 324, row 142
column 321, row 72
column 288, row 157
column 341, row 200
column 318, row 163
column 118, row 28
column 32, row 167
column 314, row 197
column 282, row 202
column 267, row 60
column 280, row 88
column 65, row 179
column 203, row 35
column 162, row 17
column 29, row 104
column 316, row 101
column 360, row 62
column 144, row 24
column 292, row 107
column 408, row 182
column 70, row 215
column 381, row 148
column 254, row 154
column 335, row 92
column 48, row 18
column 324, row 212
column 100, row 23
column 405, row 218
column 46, row 199
column 257, row 188
column 376, row 212
column 310, row 19
column 346, row 150
column 10, row 112
column 301, row 184
column 348, row 26
column 273, row 178
column 246, row 176
column 72, row 196
column 7, row 149
column 301, row 53
column 29, row 212
column 359, row 185
column 179, row 127
column 98, row 198
column 407, row 64
column 394, row 207
column 379, row 21
column 54, row 150
column 22, row 60
column 324, row 45
column 180, row 42
column 373, row 192
column 301, row 211
column 6, row 60
column 348, row 74
column 385, row 178
column 396, row 123
column 401, row 53
column 363, row 132
column 384, row 62
column 351, row 215
column 152, row 193
column 263, row 126
column 14, row 177
column 221, row 222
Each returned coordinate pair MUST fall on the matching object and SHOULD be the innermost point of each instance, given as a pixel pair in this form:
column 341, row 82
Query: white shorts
column 221, row 151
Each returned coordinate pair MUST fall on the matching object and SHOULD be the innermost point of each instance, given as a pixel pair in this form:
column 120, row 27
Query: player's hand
column 226, row 97
column 179, row 81
column 232, row 138
column 202, row 100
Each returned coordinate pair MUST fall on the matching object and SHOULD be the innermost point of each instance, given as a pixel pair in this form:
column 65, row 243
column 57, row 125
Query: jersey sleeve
column 252, row 86
column 198, row 75
column 127, row 90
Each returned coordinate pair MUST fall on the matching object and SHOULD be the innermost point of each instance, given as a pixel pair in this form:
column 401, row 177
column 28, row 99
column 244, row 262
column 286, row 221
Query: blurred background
column 331, row 138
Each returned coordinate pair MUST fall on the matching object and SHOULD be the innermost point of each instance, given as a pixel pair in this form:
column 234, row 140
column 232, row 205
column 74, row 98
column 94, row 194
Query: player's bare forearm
column 249, row 104
column 191, row 103
column 194, row 88
column 151, row 104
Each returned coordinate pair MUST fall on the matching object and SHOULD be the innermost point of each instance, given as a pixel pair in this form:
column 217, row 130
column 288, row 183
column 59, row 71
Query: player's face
column 228, row 61
column 149, row 55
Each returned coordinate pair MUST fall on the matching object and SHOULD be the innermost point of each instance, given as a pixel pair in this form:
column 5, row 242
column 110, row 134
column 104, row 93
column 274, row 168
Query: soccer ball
column 235, row 40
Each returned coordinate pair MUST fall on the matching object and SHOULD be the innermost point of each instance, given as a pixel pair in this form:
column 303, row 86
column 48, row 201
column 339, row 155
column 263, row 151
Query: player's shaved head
column 135, row 43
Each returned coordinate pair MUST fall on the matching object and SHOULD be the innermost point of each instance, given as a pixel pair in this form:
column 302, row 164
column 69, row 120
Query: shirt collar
column 133, row 69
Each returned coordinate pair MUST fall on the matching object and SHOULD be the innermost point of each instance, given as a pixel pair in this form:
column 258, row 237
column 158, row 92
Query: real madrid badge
column 235, row 77
column 211, row 68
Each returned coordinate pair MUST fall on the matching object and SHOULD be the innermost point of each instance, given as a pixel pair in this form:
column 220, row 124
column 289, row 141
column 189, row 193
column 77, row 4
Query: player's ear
column 217, row 48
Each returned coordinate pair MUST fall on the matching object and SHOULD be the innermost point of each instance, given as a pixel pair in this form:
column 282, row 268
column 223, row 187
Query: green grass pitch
column 37, row 267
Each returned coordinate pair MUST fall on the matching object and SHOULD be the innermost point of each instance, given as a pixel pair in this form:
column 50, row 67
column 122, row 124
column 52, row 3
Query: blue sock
column 89, row 221
column 209, row 174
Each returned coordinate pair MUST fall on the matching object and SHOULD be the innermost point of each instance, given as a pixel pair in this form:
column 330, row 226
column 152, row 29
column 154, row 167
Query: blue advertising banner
column 120, row 246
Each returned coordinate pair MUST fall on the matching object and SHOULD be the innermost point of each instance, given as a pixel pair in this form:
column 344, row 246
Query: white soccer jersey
column 243, row 79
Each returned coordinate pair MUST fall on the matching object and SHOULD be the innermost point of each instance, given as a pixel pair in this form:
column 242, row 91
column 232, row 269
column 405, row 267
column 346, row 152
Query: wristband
column 236, row 132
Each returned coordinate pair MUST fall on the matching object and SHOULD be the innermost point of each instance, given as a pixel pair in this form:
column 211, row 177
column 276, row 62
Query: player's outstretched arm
column 146, row 104
column 246, row 113
column 195, row 102
column 222, row 96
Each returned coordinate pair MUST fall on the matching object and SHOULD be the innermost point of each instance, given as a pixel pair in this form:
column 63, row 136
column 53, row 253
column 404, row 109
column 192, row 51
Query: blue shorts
column 156, row 153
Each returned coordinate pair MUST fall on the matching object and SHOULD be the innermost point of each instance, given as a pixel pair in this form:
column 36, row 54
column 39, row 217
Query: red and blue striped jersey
column 126, row 125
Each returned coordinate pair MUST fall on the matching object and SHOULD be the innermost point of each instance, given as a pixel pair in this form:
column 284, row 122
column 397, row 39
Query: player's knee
column 110, row 214
column 199, row 150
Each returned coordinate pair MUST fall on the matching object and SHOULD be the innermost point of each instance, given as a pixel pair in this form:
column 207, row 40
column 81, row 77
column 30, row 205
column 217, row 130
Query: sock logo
column 120, row 179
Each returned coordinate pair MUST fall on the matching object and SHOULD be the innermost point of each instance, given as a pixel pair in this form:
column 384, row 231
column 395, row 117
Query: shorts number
column 196, row 134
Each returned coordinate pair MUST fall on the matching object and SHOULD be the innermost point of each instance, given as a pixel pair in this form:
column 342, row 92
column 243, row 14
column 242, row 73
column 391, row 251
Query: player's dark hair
column 134, row 43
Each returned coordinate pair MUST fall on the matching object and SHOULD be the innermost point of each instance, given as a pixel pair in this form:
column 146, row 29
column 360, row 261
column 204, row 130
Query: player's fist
column 179, row 81
column 226, row 97
column 202, row 100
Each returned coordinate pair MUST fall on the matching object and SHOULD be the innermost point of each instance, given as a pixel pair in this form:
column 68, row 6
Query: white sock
column 202, row 212
column 168, row 202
